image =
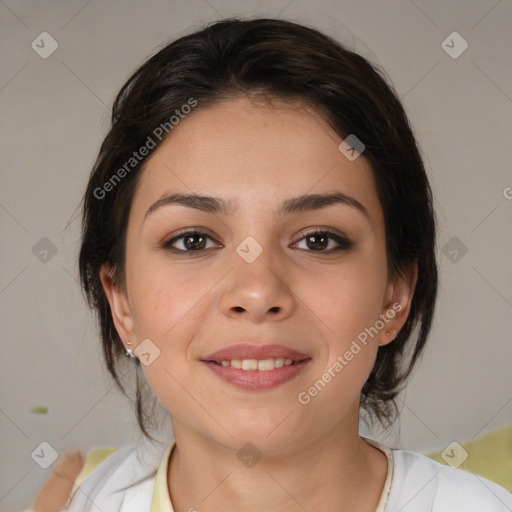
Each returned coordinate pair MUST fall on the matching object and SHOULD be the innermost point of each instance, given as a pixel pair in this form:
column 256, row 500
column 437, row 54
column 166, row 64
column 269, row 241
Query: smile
column 255, row 364
column 257, row 375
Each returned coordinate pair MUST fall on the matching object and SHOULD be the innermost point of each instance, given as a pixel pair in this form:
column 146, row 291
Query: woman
column 258, row 232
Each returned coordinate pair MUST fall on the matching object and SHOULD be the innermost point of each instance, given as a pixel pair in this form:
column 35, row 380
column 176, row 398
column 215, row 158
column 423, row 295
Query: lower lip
column 255, row 380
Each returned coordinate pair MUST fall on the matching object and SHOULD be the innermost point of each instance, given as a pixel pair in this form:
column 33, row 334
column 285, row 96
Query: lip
column 253, row 351
column 256, row 380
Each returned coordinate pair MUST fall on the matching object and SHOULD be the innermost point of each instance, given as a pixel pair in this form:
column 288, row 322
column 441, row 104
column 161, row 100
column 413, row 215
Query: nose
column 259, row 290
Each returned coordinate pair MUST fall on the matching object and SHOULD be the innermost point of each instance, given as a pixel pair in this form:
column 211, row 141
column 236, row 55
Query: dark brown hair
column 268, row 58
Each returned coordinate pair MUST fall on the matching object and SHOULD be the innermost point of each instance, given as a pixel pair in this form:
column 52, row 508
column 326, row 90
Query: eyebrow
column 305, row 202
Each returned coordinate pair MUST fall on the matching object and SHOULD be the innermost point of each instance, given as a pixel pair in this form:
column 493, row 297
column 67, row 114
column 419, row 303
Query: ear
column 119, row 305
column 397, row 303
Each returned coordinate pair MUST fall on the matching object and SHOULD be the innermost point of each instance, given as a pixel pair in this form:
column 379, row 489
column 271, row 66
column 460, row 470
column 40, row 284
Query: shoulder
column 126, row 476
column 420, row 483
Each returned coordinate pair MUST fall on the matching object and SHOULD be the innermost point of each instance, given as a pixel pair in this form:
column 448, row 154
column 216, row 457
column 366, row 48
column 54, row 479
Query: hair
column 268, row 58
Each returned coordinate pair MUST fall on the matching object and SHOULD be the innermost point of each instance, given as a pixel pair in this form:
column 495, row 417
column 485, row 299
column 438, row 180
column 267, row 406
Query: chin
column 266, row 433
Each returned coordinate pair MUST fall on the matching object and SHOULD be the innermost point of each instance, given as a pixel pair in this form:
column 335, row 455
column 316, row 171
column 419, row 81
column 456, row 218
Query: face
column 255, row 274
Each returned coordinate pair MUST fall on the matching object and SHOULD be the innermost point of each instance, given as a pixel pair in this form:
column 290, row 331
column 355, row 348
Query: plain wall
column 55, row 112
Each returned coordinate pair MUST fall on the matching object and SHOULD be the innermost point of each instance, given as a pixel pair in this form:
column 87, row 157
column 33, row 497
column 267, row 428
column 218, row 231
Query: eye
column 192, row 241
column 196, row 241
column 319, row 241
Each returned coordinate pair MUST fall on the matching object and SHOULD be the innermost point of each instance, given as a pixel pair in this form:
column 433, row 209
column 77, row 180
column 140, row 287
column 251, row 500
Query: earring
column 129, row 350
column 387, row 332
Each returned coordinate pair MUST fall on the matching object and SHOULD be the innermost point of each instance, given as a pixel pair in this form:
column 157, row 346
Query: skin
column 54, row 494
column 313, row 300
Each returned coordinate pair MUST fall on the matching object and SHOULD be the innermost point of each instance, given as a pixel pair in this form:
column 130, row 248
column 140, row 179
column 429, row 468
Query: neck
column 334, row 472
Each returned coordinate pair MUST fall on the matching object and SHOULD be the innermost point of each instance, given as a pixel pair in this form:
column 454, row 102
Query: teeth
column 249, row 364
column 265, row 364
column 255, row 364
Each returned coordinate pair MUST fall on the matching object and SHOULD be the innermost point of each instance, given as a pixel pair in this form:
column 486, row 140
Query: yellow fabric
column 93, row 459
column 381, row 506
column 161, row 501
column 489, row 456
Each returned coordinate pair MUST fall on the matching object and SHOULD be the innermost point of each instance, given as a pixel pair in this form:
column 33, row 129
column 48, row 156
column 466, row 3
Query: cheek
column 349, row 299
column 162, row 299
column 165, row 308
column 347, row 312
column 168, row 308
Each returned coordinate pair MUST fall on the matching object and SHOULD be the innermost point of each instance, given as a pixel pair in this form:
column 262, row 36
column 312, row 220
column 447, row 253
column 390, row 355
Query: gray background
column 55, row 112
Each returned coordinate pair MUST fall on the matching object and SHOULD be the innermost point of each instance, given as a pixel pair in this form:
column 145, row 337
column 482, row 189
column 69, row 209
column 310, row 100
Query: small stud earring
column 129, row 350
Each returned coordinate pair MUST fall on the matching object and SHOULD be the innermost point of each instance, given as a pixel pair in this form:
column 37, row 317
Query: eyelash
column 344, row 243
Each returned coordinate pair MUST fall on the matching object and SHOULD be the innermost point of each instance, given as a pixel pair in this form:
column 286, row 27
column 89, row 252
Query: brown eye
column 191, row 241
column 318, row 241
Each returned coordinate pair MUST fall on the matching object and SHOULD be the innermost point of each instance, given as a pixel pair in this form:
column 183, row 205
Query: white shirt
column 134, row 479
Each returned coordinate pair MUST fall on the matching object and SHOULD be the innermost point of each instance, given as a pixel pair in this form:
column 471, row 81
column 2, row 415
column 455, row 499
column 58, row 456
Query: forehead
column 254, row 153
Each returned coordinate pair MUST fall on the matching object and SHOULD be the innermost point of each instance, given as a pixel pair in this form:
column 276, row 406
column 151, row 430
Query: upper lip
column 255, row 351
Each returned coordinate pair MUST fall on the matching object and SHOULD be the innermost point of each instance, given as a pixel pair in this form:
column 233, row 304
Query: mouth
column 256, row 367
column 261, row 365
column 249, row 377
column 256, row 352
